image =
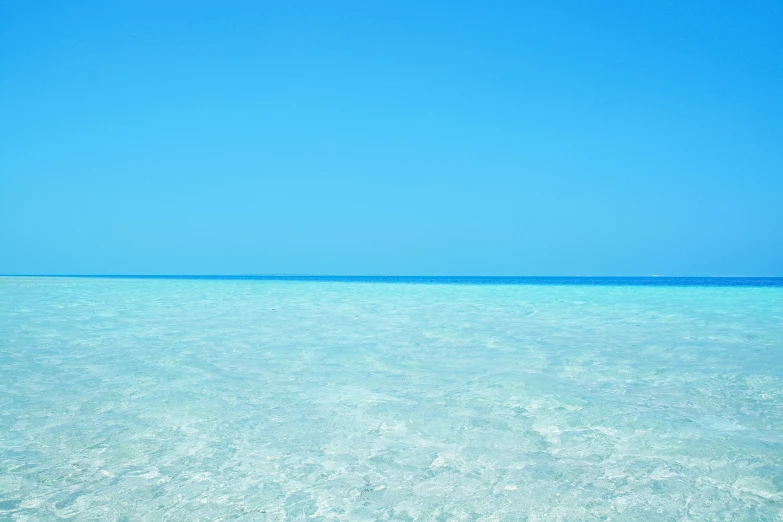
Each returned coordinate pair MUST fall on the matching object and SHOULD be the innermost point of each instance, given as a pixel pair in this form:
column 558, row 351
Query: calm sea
column 332, row 398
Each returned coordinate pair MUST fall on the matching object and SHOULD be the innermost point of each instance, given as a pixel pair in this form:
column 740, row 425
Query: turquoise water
column 176, row 399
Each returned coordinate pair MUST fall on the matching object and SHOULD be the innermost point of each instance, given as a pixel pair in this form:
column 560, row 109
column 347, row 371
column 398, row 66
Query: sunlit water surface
column 135, row 399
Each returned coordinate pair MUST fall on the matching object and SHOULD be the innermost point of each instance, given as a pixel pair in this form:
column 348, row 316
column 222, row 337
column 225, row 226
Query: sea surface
column 352, row 399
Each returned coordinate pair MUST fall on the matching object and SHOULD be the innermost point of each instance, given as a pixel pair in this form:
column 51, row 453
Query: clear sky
column 431, row 138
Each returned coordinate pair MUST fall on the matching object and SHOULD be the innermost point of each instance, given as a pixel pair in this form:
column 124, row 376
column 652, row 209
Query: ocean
column 331, row 398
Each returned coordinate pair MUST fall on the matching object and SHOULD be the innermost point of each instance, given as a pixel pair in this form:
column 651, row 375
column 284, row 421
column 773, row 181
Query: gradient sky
column 432, row 138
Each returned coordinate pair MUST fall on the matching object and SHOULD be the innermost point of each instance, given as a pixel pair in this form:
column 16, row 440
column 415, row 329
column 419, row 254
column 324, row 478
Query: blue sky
column 432, row 138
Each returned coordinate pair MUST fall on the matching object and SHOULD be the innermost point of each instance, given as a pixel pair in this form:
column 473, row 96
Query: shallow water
column 159, row 399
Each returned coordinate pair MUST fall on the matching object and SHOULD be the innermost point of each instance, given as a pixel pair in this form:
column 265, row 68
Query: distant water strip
column 475, row 280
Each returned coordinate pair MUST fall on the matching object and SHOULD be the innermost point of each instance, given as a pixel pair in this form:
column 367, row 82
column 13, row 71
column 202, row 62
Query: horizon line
column 385, row 276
